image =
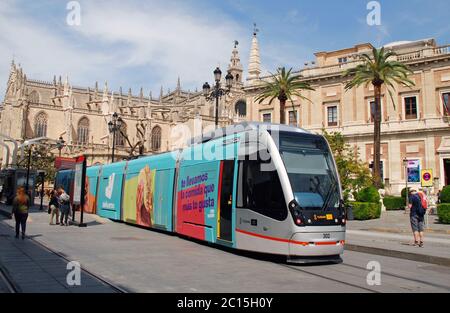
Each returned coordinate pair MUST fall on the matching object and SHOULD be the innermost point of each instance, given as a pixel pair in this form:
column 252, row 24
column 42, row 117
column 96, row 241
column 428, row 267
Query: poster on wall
column 413, row 171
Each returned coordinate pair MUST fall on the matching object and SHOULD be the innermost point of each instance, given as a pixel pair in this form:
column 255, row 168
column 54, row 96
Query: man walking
column 417, row 213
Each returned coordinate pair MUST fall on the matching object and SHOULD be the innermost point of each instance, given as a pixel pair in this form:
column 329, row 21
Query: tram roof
column 243, row 127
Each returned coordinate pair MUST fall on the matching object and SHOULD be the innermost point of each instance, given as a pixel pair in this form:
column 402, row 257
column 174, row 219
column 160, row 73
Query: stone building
column 415, row 127
column 33, row 109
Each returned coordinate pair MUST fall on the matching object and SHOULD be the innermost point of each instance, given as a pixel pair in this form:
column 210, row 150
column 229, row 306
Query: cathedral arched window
column 83, row 131
column 33, row 97
column 241, row 108
column 156, row 138
column 121, row 135
column 40, row 125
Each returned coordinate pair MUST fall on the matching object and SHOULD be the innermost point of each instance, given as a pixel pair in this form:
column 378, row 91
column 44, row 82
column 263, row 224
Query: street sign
column 427, row 178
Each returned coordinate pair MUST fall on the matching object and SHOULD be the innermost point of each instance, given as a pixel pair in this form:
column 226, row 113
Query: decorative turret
column 254, row 66
column 235, row 66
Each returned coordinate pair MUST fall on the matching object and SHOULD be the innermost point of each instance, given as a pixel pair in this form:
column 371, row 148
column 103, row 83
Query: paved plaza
column 132, row 259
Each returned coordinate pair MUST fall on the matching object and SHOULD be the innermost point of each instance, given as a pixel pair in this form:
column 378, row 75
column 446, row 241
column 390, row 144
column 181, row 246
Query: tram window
column 260, row 191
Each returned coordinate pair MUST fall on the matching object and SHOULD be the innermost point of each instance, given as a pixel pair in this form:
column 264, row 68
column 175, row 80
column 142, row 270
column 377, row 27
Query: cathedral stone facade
column 415, row 127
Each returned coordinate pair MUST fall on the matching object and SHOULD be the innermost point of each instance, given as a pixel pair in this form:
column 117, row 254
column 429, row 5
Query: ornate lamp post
column 114, row 126
column 60, row 143
column 217, row 92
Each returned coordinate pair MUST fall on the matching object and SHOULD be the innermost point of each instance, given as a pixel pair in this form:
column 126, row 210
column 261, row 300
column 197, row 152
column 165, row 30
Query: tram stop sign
column 427, row 178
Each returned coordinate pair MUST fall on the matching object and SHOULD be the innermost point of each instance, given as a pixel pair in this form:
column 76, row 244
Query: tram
column 253, row 186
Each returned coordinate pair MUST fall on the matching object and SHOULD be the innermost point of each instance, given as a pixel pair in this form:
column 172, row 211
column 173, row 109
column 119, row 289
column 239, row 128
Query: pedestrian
column 21, row 205
column 417, row 213
column 64, row 206
column 54, row 207
column 439, row 196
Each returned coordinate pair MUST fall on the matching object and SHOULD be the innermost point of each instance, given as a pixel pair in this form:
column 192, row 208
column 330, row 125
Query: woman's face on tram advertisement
column 144, row 197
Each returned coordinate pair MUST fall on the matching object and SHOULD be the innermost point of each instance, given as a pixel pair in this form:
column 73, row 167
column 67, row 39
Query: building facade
column 415, row 126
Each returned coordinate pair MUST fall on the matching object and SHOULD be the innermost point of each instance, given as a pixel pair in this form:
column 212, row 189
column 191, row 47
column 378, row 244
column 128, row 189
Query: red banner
column 65, row 163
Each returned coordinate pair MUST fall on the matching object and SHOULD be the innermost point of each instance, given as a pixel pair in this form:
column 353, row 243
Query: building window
column 83, row 131
column 413, row 170
column 446, row 103
column 33, row 98
column 267, row 117
column 241, row 108
column 343, row 60
column 40, row 126
column 410, row 108
column 332, row 116
column 293, row 118
column 372, row 110
column 156, row 138
column 120, row 136
column 381, row 169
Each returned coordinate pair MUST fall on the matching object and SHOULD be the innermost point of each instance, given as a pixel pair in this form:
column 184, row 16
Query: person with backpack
column 64, row 206
column 417, row 214
column 20, row 208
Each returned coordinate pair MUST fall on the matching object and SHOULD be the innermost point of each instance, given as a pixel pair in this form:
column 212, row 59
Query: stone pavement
column 32, row 268
column 140, row 260
column 391, row 236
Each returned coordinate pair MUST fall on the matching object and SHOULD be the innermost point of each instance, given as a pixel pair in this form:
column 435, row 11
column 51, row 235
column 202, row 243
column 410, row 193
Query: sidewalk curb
column 417, row 257
column 5, row 213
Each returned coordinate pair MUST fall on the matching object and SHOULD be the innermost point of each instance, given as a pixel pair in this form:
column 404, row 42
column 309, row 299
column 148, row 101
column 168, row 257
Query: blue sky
column 150, row 43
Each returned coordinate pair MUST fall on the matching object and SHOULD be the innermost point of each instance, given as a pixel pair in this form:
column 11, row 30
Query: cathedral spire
column 254, row 66
column 235, row 66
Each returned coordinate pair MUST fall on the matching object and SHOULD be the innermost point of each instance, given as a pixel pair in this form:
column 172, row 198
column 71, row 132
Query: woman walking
column 54, row 207
column 21, row 205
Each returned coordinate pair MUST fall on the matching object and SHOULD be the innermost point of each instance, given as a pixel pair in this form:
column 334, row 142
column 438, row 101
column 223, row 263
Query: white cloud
column 127, row 43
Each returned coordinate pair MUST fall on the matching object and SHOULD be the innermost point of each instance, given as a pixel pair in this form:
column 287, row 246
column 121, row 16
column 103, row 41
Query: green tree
column 283, row 86
column 42, row 159
column 379, row 69
column 354, row 174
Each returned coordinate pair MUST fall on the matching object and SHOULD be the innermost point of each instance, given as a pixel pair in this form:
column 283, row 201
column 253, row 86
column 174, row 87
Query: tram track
column 11, row 286
column 7, row 283
column 362, row 270
column 292, row 267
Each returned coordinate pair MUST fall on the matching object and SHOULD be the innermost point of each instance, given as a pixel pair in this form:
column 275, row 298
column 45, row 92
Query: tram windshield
column 311, row 171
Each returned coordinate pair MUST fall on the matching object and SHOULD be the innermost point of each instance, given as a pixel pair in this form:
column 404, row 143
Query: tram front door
column 224, row 221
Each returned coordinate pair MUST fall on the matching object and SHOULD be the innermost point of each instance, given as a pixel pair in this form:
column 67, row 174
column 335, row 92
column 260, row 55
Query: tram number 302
column 326, row 236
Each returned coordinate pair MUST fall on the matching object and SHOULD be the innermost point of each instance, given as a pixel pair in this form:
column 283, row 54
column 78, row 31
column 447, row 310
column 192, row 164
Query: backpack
column 421, row 211
column 423, row 200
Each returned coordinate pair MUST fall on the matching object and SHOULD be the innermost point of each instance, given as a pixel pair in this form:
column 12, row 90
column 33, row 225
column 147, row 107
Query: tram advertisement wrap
column 138, row 204
column 197, row 200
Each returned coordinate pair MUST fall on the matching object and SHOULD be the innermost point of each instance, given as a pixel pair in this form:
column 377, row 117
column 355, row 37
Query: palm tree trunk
column 282, row 111
column 377, row 138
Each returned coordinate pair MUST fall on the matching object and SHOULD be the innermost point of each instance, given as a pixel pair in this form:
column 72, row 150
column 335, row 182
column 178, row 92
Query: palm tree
column 378, row 69
column 283, row 86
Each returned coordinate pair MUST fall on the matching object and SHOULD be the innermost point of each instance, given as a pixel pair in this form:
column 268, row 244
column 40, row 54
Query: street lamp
column 405, row 164
column 60, row 144
column 217, row 91
column 114, row 125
